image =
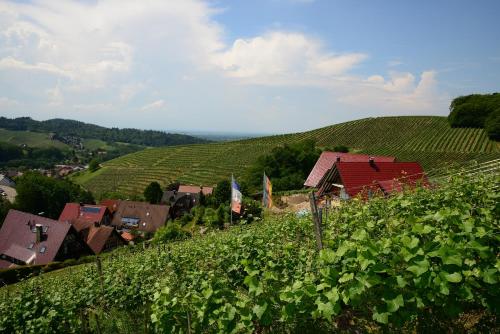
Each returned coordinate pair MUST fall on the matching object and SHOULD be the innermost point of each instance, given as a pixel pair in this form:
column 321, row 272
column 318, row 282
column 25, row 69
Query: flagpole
column 231, row 201
column 264, row 190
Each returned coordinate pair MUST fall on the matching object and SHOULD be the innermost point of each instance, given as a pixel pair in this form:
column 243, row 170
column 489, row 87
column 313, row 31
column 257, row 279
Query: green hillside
column 31, row 139
column 429, row 140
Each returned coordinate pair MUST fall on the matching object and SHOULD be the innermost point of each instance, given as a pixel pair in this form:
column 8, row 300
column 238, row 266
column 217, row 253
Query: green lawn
column 32, row 139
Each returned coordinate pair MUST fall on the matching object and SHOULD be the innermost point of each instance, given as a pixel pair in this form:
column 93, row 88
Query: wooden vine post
column 316, row 215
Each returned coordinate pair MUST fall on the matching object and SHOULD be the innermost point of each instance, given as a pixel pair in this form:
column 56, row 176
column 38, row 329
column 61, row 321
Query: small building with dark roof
column 140, row 216
column 184, row 199
column 30, row 239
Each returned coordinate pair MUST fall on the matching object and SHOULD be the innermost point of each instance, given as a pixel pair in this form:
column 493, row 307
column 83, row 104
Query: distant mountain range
column 71, row 128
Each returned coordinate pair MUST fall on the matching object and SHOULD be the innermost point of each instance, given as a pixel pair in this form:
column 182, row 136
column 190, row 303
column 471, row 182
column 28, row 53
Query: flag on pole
column 236, row 197
column 267, row 193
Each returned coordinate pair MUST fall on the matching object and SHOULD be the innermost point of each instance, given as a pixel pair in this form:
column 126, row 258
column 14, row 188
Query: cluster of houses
column 86, row 229
column 346, row 175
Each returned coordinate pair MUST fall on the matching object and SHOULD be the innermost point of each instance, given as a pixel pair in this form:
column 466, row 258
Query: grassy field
column 32, row 139
column 426, row 139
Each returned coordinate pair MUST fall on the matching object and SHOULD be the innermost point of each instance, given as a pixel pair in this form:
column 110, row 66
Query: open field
column 429, row 140
column 32, row 139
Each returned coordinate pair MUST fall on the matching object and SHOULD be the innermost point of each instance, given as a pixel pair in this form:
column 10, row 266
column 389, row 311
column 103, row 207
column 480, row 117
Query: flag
column 236, row 196
column 267, row 193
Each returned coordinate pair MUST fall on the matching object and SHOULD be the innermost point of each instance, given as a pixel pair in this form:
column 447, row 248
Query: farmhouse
column 140, row 216
column 90, row 222
column 328, row 159
column 184, row 199
column 29, row 239
column 348, row 179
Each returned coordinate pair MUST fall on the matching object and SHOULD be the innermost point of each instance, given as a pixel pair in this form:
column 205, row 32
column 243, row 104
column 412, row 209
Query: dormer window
column 31, row 245
column 43, row 249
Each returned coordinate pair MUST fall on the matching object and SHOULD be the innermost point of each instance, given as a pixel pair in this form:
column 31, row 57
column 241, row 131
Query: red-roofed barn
column 327, row 159
column 348, row 179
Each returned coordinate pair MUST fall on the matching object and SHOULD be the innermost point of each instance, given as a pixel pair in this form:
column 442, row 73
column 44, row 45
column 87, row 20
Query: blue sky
column 262, row 66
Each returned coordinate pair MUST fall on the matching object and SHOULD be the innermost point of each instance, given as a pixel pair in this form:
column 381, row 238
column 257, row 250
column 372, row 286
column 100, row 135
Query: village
column 84, row 229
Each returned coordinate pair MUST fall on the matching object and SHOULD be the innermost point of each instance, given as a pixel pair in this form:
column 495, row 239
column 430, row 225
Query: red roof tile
column 356, row 175
column 88, row 213
column 98, row 236
column 111, row 204
column 195, row 189
column 127, row 236
column 16, row 230
column 327, row 159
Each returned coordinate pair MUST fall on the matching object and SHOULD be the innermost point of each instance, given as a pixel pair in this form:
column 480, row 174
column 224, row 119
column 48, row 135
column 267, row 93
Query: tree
column 37, row 193
column 93, row 165
column 472, row 111
column 5, row 206
column 287, row 166
column 492, row 125
column 341, row 148
column 153, row 193
column 222, row 193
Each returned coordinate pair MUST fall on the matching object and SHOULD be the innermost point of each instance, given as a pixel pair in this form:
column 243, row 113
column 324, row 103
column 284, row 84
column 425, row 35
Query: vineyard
column 428, row 140
column 421, row 261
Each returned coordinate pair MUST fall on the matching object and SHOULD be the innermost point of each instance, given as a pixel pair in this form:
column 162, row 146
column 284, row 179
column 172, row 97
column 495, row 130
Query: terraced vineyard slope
column 427, row 139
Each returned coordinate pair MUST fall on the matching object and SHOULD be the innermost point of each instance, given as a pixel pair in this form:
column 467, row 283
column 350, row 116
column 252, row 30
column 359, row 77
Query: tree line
column 65, row 127
column 477, row 111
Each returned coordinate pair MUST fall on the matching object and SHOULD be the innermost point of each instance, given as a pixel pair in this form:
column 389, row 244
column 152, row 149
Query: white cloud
column 12, row 63
column 399, row 93
column 5, row 102
column 88, row 42
column 284, row 58
column 115, row 55
column 153, row 105
column 55, row 96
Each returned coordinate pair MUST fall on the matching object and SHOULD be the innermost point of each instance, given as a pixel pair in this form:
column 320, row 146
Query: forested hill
column 65, row 127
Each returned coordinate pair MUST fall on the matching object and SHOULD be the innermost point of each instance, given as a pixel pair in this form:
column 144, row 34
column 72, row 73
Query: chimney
column 338, row 158
column 39, row 231
column 371, row 160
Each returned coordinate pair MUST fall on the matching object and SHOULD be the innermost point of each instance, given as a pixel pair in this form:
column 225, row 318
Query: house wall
column 72, row 247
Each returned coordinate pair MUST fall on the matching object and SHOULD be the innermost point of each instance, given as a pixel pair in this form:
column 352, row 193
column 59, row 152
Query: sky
column 260, row 66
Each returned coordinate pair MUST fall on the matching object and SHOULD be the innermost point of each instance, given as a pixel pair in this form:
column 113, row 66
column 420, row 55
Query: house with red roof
column 350, row 179
column 27, row 239
column 327, row 159
column 91, row 222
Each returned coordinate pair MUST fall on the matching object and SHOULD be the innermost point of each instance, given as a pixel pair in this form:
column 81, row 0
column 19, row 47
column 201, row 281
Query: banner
column 267, row 193
column 236, row 197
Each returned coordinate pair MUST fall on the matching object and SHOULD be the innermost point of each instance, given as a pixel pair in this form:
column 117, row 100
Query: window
column 30, row 246
column 45, row 229
column 130, row 221
column 43, row 249
column 90, row 209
